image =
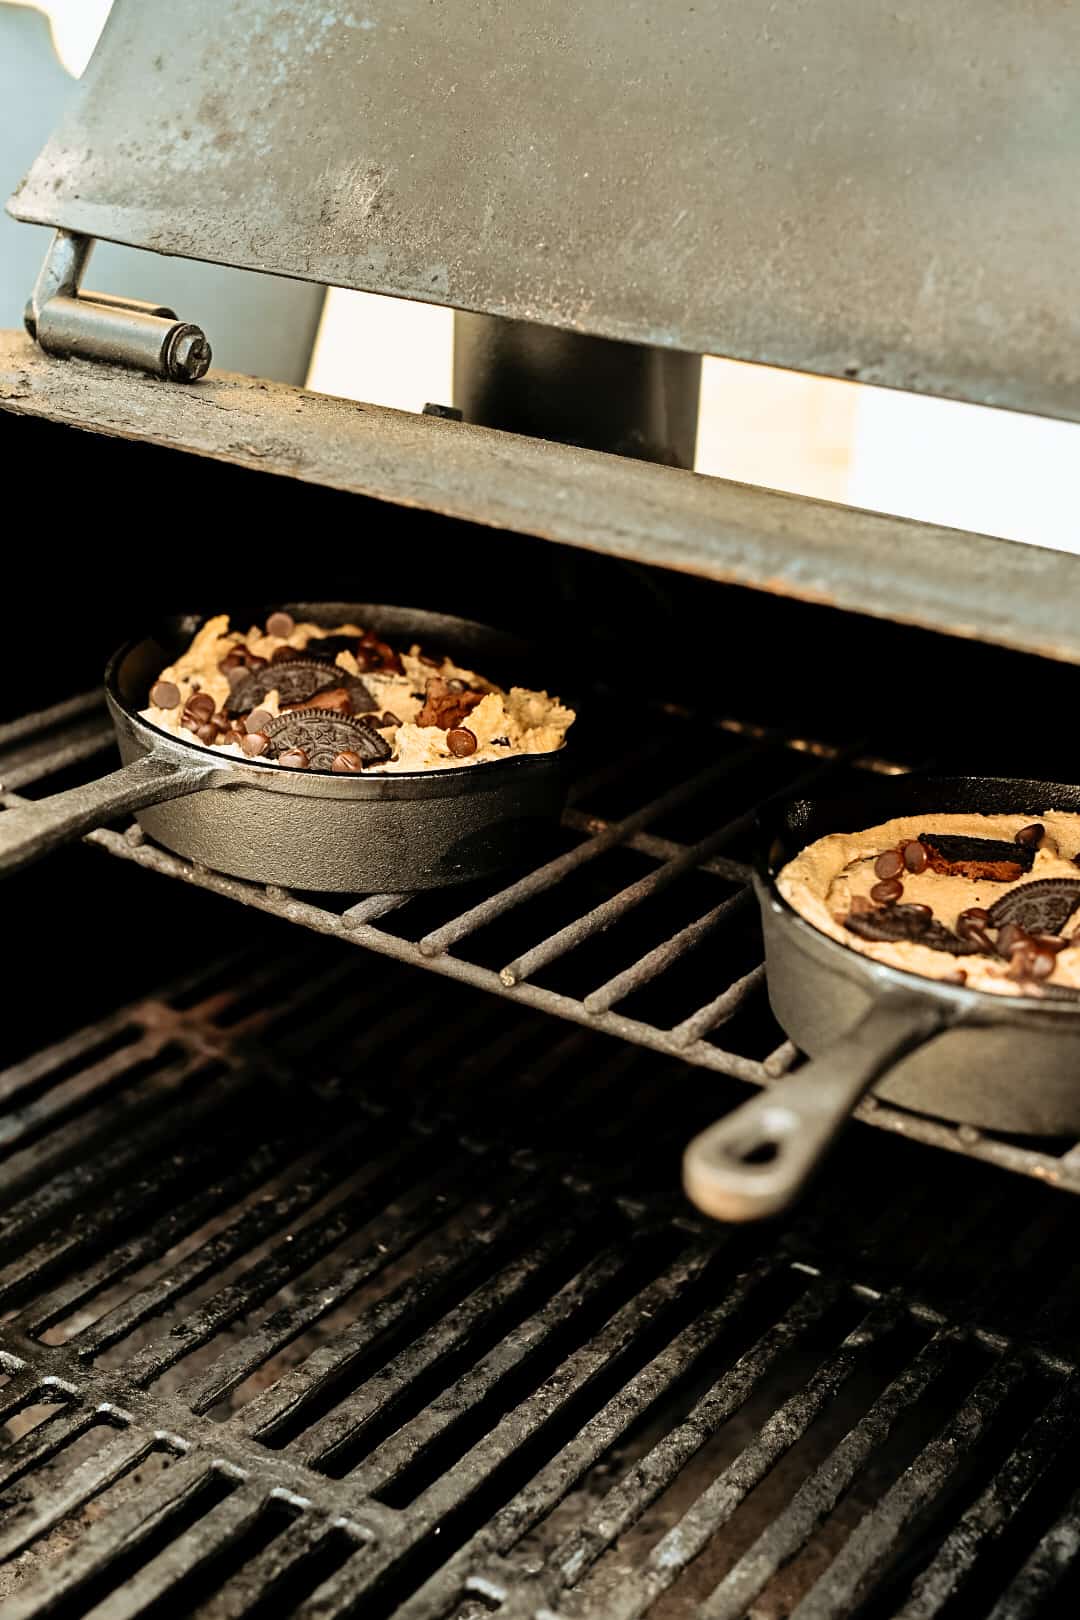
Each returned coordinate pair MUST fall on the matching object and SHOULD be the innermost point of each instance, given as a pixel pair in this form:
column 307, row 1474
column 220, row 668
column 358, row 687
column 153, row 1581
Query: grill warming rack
column 264, row 1358
column 68, row 734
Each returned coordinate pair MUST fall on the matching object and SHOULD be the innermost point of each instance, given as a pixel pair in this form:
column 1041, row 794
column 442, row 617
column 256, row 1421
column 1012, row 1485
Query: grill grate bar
column 451, row 1331
column 721, row 1008
column 988, row 1516
column 61, row 1054
column 818, row 1496
column 1055, row 1554
column 870, row 1545
column 410, row 1442
column 553, row 872
column 55, row 1501
column 665, row 955
column 123, row 1531
column 73, row 708
column 43, row 757
column 298, row 1542
column 374, row 907
column 659, row 849
column 267, row 1275
column 37, row 1445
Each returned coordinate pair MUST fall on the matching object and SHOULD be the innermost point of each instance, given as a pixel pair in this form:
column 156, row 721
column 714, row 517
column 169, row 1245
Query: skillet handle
column 32, row 830
column 756, row 1160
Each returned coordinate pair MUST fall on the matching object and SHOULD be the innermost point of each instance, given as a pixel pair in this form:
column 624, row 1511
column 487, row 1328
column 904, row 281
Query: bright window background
column 993, row 471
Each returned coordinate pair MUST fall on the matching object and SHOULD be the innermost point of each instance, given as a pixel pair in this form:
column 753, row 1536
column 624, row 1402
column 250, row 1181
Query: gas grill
column 359, row 1281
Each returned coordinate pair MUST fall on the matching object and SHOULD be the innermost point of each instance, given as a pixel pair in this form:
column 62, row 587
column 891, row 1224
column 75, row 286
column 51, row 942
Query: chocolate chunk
column 896, row 923
column 258, row 720
column 321, row 735
column 388, row 719
column 326, row 648
column 294, row 758
column 1031, row 837
column 1042, row 907
column 236, row 658
column 296, row 681
column 335, row 698
column 280, row 624
column 1010, row 938
column 889, row 864
column 444, row 708
column 989, row 858
column 347, row 760
column 255, row 743
column 164, row 695
column 375, row 654
column 462, row 742
column 916, row 856
column 883, row 893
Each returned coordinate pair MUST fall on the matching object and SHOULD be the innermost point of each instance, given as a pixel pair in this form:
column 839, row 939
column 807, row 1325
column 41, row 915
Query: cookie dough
column 305, row 696
column 990, row 901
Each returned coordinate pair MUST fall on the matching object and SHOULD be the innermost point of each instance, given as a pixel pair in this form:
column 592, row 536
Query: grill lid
column 857, row 190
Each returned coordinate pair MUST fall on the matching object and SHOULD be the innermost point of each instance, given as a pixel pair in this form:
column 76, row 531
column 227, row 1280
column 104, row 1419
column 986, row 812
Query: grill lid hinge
column 99, row 326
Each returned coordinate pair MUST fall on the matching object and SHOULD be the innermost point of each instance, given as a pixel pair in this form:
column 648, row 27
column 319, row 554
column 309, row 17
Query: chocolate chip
column 388, row 719
column 916, row 856
column 1010, row 938
column 285, row 655
column 207, row 734
column 918, row 910
column 294, row 758
column 885, row 892
column 889, row 864
column 860, row 906
column 280, row 624
column 970, row 920
column 258, row 720
column 462, row 742
column 164, row 695
column 235, row 658
column 1041, row 907
column 1031, row 836
column 200, row 705
column 347, row 760
column 1042, row 962
column 255, row 743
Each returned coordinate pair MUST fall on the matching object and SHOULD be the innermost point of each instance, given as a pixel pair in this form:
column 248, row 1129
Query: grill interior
column 303, row 1317
column 353, row 1281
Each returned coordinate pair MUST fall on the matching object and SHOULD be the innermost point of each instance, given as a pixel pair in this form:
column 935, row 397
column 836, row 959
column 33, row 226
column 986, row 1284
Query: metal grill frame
column 39, row 745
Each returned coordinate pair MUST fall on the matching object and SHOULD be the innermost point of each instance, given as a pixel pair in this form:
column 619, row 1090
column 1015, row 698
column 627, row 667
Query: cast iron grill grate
column 299, row 1316
column 606, row 930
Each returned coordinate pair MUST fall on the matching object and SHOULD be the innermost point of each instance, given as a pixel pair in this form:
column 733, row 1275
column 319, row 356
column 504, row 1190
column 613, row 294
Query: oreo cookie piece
column 996, row 859
column 326, row 648
column 892, row 924
column 296, row 680
column 1042, row 907
column 322, row 735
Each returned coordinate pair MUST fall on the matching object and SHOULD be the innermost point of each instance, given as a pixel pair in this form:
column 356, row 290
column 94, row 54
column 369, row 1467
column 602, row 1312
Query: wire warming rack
column 608, row 931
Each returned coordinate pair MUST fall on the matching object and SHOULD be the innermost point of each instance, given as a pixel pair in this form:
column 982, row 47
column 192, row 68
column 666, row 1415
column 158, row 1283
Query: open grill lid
column 851, row 190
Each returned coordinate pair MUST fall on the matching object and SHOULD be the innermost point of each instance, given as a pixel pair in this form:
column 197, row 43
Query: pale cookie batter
column 1030, row 945
column 225, row 692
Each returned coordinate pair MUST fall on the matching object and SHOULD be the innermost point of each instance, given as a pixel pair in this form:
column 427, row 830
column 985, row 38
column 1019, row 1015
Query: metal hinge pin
column 100, row 326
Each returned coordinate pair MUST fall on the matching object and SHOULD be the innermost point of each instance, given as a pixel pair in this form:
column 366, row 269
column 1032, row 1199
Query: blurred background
column 996, row 472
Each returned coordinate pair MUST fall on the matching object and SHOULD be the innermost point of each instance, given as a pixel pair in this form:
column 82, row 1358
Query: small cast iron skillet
column 307, row 829
column 1005, row 1063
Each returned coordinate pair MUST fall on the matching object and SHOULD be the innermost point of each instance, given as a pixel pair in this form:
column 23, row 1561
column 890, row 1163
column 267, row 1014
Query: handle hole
column 761, row 1153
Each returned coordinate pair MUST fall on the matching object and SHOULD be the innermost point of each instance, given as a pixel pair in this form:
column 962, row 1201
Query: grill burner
column 410, row 1338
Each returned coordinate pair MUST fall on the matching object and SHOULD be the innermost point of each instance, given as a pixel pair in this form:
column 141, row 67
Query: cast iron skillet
column 307, row 829
column 1005, row 1063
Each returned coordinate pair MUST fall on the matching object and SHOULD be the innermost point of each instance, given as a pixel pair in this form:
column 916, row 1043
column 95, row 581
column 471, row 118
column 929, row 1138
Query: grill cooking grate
column 607, row 931
column 304, row 1316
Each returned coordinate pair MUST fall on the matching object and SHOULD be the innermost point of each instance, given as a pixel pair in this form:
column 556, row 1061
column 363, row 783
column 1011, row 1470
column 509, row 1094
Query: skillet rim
column 534, row 762
column 883, row 976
